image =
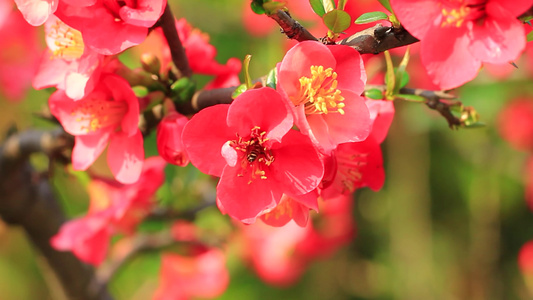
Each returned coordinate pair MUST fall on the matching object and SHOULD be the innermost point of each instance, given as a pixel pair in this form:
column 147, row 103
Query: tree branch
column 28, row 201
column 379, row 38
column 291, row 28
column 179, row 58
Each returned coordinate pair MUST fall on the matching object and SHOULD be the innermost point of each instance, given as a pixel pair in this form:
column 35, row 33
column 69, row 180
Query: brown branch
column 140, row 243
column 379, row 38
column 291, row 27
column 441, row 101
column 179, row 58
column 28, row 201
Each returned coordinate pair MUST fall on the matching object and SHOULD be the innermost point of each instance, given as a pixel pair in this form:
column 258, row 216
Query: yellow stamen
column 319, row 93
column 67, row 42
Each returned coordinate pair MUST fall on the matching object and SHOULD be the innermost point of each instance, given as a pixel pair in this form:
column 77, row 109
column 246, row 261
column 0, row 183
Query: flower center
column 64, row 41
column 319, row 93
column 455, row 13
column 255, row 155
column 95, row 114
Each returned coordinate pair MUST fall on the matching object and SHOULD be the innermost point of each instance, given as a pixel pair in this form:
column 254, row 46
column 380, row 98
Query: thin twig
column 179, row 58
column 291, row 27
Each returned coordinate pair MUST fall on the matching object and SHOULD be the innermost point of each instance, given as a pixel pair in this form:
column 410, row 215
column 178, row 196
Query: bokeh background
column 448, row 224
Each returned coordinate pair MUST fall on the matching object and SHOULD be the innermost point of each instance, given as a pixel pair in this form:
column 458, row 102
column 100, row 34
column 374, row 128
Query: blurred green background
column 448, row 223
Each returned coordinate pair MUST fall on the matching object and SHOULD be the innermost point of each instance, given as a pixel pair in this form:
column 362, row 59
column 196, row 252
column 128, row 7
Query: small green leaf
column 374, row 94
column 529, row 36
column 342, row 4
column 386, row 4
column 257, row 7
column 413, row 98
column 401, row 76
column 317, row 7
column 239, row 90
column 337, row 20
column 245, row 66
column 390, row 78
column 272, row 79
column 371, row 17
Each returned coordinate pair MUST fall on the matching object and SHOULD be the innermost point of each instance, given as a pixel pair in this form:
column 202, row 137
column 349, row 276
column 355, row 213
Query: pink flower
column 281, row 255
column 19, row 53
column 515, row 123
column 525, row 258
column 114, row 208
column 322, row 85
column 458, row 36
column 288, row 209
column 36, row 12
column 251, row 146
column 202, row 275
column 109, row 27
column 67, row 64
column 169, row 143
column 110, row 113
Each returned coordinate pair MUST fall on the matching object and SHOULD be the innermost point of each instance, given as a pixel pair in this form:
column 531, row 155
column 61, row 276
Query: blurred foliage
column 447, row 225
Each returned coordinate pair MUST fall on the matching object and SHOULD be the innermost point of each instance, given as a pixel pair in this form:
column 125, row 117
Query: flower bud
column 169, row 142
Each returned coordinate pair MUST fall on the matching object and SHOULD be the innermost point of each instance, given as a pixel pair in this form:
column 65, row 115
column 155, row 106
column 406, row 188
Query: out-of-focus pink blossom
column 201, row 274
column 36, row 12
column 169, row 143
column 200, row 53
column 280, row 255
column 322, row 85
column 114, row 208
column 19, row 53
column 515, row 123
column 525, row 258
column 109, row 114
column 458, row 36
column 251, row 146
column 118, row 26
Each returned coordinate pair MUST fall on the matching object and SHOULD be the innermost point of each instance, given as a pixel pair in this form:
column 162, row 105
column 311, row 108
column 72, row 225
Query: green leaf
column 342, row 4
column 529, row 36
column 239, row 90
column 401, row 76
column 272, row 79
column 140, row 91
column 390, row 77
column 317, row 7
column 386, row 4
column 257, row 7
column 375, row 94
column 337, row 20
column 371, row 17
column 412, row 98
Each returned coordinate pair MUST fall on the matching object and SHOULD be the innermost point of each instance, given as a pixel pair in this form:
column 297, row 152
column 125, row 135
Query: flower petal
column 125, row 156
column 263, row 108
column 500, row 39
column 448, row 61
column 245, row 199
column 204, row 136
column 297, row 167
column 350, row 70
column 87, row 148
column 418, row 16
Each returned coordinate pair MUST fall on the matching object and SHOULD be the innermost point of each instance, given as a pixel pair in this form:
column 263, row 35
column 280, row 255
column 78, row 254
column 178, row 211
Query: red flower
column 322, row 85
column 457, row 36
column 251, row 146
